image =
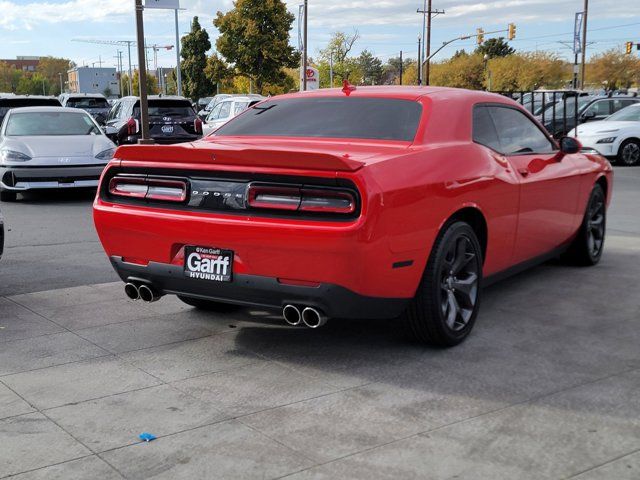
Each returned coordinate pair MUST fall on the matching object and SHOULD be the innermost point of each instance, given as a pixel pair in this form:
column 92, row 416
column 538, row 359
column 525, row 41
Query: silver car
column 50, row 147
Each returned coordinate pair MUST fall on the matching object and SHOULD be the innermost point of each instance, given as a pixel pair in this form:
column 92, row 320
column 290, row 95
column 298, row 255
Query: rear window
column 167, row 108
column 28, row 102
column 88, row 102
column 329, row 117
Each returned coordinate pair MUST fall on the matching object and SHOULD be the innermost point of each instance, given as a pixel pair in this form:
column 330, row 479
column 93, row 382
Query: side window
column 215, row 113
column 113, row 113
column 600, row 108
column 620, row 104
column 225, row 109
column 484, row 131
column 518, row 133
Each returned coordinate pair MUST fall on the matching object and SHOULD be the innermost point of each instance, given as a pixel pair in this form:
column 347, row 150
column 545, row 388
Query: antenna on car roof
column 347, row 88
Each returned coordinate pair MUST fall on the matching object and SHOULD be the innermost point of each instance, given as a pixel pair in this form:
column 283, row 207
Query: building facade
column 26, row 64
column 94, row 80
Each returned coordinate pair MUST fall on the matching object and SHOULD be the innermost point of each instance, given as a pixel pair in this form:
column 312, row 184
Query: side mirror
column 588, row 115
column 569, row 145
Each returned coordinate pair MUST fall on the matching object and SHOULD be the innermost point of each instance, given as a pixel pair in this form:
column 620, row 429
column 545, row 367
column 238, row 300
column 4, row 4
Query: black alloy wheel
column 629, row 153
column 446, row 303
column 586, row 249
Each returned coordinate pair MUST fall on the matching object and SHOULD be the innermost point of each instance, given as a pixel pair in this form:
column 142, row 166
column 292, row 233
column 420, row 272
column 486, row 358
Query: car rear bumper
column 18, row 178
column 267, row 292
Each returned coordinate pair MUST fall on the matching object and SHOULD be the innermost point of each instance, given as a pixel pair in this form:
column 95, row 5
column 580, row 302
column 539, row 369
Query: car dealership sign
column 313, row 78
column 167, row 4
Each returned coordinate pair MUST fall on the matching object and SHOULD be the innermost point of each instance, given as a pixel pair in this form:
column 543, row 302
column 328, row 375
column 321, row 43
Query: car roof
column 158, row 97
column 44, row 109
column 39, row 97
column 82, row 95
column 409, row 92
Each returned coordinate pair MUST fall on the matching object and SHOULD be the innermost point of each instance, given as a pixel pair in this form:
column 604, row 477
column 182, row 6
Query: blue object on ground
column 147, row 437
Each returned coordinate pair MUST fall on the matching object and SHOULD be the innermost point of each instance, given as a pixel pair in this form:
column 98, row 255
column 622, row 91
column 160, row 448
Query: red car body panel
column 531, row 204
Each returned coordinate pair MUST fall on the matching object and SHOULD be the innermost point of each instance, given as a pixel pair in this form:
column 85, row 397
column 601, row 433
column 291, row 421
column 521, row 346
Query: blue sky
column 31, row 27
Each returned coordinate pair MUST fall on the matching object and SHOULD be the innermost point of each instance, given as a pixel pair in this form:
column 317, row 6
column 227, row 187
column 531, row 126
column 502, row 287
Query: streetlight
column 486, row 69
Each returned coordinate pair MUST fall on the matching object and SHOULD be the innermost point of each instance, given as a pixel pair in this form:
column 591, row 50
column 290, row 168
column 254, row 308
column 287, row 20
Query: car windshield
column 7, row 104
column 329, row 117
column 629, row 114
column 88, row 102
column 167, row 108
column 50, row 124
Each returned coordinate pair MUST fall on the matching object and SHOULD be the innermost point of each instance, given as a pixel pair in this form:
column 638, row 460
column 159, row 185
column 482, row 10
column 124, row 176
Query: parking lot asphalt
column 547, row 386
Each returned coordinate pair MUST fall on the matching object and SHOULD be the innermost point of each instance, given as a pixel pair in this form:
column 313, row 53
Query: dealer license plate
column 206, row 263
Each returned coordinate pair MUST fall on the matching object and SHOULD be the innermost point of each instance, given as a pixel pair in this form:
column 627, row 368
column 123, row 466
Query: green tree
column 614, row 67
column 152, row 84
column 391, row 71
column 370, row 68
column 337, row 51
column 254, row 37
column 195, row 46
column 495, row 47
column 219, row 73
column 52, row 68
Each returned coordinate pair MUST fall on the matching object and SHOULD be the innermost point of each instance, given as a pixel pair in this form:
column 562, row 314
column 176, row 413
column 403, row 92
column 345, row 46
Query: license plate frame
column 210, row 264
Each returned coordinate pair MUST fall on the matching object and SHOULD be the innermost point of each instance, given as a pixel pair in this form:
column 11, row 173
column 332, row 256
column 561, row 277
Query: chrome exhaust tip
column 148, row 293
column 313, row 318
column 131, row 291
column 291, row 315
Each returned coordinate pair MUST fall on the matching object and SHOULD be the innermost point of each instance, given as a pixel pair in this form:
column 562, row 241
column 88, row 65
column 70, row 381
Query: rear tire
column 446, row 304
column 586, row 248
column 629, row 153
column 8, row 196
column 208, row 305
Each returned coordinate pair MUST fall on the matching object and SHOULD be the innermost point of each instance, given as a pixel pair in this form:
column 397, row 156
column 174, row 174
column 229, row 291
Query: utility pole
column 419, row 61
column 584, row 42
column 304, row 46
column 142, row 77
column 331, row 69
column 130, row 71
column 61, row 84
column 401, row 67
column 427, row 14
column 178, row 70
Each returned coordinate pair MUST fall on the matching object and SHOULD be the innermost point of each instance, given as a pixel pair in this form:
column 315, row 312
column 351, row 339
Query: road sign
column 313, row 79
column 165, row 4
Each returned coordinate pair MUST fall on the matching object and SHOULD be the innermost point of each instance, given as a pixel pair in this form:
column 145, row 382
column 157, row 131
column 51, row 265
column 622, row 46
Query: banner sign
column 577, row 34
column 165, row 4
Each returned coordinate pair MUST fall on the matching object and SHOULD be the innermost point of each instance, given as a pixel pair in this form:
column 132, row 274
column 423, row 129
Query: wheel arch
column 634, row 138
column 473, row 216
column 604, row 183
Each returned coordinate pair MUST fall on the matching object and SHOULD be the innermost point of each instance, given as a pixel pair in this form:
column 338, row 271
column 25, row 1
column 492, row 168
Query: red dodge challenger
column 372, row 202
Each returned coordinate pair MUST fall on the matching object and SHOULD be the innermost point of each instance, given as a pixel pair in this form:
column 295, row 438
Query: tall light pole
column 304, row 47
column 584, row 42
column 178, row 72
column 419, row 61
column 61, row 85
column 142, row 77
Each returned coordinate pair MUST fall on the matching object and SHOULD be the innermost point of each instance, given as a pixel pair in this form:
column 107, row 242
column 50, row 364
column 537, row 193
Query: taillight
column 132, row 126
column 317, row 200
column 197, row 125
column 149, row 188
column 327, row 201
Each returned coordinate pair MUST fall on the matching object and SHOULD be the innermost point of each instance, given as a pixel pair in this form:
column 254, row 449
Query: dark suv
column 7, row 102
column 171, row 120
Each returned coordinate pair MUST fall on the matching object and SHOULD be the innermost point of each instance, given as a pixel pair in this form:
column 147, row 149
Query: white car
column 616, row 137
column 50, row 147
column 225, row 111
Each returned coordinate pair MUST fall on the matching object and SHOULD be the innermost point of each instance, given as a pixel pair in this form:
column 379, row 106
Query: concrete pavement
column 547, row 386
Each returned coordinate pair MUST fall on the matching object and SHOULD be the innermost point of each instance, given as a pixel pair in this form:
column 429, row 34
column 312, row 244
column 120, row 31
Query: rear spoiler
column 210, row 153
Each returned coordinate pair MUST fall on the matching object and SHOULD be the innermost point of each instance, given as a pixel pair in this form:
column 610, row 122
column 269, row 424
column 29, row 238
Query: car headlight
column 13, row 156
column 606, row 140
column 106, row 154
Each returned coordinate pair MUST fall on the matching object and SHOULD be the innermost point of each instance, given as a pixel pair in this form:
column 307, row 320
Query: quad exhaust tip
column 307, row 316
column 313, row 318
column 131, row 291
column 143, row 292
column 148, row 293
column 292, row 315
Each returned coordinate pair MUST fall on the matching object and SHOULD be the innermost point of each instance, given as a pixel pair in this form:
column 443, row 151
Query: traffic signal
column 629, row 47
column 480, row 36
column 512, row 31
